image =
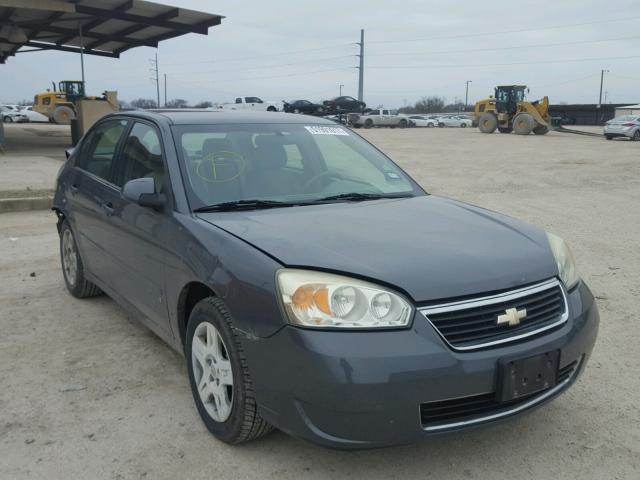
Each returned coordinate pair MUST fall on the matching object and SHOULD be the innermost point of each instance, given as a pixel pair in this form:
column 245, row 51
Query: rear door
column 93, row 194
column 141, row 232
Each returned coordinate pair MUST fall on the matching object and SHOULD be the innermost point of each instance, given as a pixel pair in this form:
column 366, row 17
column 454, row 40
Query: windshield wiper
column 359, row 197
column 243, row 205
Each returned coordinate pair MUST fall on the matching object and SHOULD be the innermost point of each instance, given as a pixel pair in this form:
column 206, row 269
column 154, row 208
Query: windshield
column 283, row 162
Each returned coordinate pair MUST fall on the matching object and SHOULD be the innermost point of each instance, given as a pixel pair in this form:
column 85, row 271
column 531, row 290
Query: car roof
column 186, row 116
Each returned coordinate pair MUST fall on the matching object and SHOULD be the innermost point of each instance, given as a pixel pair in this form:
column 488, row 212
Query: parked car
column 11, row 114
column 423, row 121
column 344, row 104
column 34, row 116
column 303, row 106
column 250, row 103
column 624, row 126
column 454, row 121
column 378, row 118
column 311, row 284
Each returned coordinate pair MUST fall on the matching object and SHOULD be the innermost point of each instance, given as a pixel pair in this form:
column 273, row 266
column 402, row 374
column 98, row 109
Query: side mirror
column 143, row 192
column 69, row 151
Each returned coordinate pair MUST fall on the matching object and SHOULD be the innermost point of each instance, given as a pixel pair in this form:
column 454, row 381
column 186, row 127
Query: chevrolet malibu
column 312, row 285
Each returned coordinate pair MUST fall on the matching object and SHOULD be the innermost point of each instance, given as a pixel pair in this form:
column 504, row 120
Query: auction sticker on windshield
column 316, row 130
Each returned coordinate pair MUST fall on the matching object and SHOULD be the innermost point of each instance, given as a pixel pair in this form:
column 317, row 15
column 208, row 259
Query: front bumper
column 365, row 389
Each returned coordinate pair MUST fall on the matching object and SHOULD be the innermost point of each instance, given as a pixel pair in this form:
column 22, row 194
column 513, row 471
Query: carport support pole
column 361, row 68
column 82, row 55
column 157, row 81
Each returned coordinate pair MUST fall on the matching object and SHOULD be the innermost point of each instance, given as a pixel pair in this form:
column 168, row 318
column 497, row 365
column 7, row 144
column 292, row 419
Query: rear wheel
column 541, row 130
column 463, row 125
column 219, row 377
column 72, row 266
column 403, row 123
column 430, row 125
column 63, row 115
column 272, row 109
column 505, row 129
column 608, row 137
column 441, row 125
column 368, row 123
column 523, row 124
column 636, row 136
column 488, row 123
column 8, row 119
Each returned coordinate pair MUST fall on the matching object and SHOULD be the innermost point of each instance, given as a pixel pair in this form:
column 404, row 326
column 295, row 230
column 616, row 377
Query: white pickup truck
column 378, row 118
column 250, row 103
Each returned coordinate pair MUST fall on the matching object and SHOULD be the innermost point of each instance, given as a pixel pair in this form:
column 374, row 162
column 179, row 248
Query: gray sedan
column 625, row 126
column 312, row 285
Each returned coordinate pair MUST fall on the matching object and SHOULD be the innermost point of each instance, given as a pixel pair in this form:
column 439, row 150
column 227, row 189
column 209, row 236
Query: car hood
column 428, row 247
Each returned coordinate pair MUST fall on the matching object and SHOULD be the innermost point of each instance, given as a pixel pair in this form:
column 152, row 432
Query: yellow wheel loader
column 58, row 105
column 508, row 111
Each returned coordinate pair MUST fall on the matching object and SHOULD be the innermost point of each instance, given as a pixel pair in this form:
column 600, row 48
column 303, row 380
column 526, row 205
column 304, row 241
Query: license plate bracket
column 525, row 376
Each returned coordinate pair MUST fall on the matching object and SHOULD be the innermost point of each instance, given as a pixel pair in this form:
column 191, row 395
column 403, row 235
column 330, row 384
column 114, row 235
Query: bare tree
column 177, row 103
column 144, row 103
column 205, row 104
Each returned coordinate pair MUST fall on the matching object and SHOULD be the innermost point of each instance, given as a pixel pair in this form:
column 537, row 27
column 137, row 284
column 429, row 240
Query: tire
column 403, row 124
column 608, row 137
column 272, row 109
column 238, row 419
column 636, row 136
column 463, row 125
column 295, row 110
column 523, row 124
column 8, row 119
column 368, row 123
column 430, row 125
column 488, row 123
column 541, row 130
column 441, row 125
column 72, row 266
column 63, row 115
column 505, row 129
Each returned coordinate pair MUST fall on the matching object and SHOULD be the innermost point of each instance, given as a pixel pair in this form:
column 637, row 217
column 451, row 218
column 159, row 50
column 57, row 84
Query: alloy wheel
column 69, row 257
column 212, row 371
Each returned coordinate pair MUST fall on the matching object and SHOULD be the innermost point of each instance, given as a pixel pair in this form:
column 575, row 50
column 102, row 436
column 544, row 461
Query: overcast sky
column 289, row 49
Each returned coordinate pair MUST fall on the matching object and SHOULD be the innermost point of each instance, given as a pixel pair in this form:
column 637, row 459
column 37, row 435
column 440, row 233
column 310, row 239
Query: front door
column 142, row 232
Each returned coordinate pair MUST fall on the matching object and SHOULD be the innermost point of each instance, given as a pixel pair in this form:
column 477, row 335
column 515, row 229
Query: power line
column 566, row 60
column 292, row 52
column 492, row 33
column 261, row 67
column 539, row 45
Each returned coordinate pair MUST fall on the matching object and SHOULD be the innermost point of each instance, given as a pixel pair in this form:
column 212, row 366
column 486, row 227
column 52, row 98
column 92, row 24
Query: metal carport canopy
column 109, row 27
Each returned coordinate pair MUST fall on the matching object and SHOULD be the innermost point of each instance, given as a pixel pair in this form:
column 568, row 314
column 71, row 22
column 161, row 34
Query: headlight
column 321, row 300
column 564, row 261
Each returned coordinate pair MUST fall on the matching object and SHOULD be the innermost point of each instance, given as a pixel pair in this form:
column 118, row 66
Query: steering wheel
column 320, row 176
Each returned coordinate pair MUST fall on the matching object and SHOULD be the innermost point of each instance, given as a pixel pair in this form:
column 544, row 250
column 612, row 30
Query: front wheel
column 272, row 109
column 220, row 382
column 636, row 136
column 463, row 125
column 368, row 123
column 608, row 137
column 8, row 119
column 403, row 124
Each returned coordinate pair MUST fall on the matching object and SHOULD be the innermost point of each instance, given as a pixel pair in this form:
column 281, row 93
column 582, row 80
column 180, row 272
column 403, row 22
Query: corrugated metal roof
column 109, row 27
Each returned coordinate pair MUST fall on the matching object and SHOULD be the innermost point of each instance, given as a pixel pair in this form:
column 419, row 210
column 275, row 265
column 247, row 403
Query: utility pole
column 341, row 85
column 602, row 72
column 165, row 90
column 466, row 96
column 361, row 68
column 155, row 76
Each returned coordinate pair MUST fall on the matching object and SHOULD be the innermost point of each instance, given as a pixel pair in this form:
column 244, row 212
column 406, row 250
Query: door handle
column 108, row 208
column 73, row 189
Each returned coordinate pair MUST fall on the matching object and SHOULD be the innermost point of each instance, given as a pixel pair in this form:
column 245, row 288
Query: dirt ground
column 85, row 393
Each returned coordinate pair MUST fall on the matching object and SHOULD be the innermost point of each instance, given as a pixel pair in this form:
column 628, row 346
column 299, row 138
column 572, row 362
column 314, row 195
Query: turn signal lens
column 316, row 299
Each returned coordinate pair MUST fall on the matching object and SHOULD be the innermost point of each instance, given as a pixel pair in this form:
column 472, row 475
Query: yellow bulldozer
column 59, row 105
column 508, row 111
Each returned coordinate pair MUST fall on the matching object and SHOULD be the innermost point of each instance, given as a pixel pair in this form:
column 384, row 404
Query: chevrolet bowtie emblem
column 512, row 316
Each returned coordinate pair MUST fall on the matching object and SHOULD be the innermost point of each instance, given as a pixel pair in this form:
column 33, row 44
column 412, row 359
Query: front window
column 253, row 100
column 289, row 163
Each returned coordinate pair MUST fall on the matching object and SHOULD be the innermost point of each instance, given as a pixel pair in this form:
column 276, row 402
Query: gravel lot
column 85, row 393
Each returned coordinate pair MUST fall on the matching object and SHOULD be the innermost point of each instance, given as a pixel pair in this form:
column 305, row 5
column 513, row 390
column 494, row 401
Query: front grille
column 474, row 323
column 483, row 405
